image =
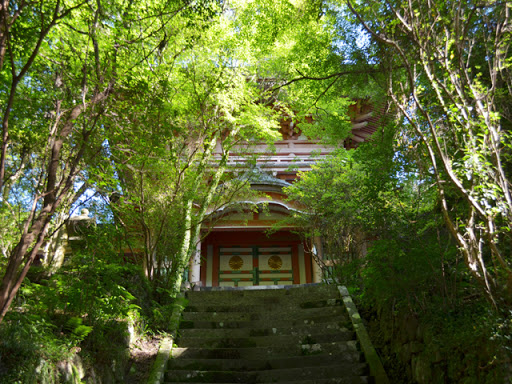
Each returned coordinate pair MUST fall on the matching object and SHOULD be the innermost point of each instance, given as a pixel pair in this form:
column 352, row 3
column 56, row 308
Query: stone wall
column 413, row 353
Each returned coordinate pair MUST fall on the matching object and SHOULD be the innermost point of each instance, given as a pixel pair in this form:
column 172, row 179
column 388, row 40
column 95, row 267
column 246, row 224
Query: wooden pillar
column 194, row 274
column 317, row 257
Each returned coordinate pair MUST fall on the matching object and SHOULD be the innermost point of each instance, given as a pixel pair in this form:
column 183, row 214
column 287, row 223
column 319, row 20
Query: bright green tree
column 61, row 64
column 449, row 79
column 173, row 163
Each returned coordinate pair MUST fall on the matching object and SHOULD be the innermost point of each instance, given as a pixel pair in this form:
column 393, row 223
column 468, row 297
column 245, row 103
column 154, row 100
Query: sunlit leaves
column 452, row 92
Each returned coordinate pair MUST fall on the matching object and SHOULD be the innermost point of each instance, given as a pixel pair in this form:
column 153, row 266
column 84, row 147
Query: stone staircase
column 294, row 335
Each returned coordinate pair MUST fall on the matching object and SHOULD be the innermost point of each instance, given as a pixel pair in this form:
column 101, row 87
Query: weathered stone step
column 323, row 320
column 266, row 363
column 263, row 341
column 263, row 297
column 270, row 375
column 295, row 335
column 261, row 291
column 301, row 330
column 251, row 308
column 271, row 303
column 338, row 380
column 337, row 347
column 309, row 313
column 334, row 380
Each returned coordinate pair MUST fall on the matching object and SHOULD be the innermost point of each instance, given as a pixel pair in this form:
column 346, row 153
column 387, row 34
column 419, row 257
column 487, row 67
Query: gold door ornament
column 275, row 262
column 236, row 263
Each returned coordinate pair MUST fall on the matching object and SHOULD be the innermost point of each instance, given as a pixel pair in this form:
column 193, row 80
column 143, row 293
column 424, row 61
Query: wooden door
column 236, row 267
column 255, row 265
column 275, row 265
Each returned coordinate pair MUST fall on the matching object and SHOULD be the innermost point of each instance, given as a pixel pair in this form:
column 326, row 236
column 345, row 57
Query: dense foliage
column 87, row 306
column 385, row 239
column 449, row 79
column 427, row 201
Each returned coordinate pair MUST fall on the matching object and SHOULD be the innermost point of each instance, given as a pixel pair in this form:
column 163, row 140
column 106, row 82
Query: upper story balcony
column 296, row 152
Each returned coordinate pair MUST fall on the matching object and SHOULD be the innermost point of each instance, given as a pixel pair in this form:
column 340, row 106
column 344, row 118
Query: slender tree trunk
column 184, row 255
column 56, row 192
column 12, row 280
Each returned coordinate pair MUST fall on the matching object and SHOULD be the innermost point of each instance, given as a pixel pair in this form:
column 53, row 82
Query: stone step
column 334, row 380
column 265, row 363
column 323, row 321
column 306, row 313
column 290, row 335
column 269, row 375
column 206, row 306
column 275, row 299
column 264, row 341
column 300, row 330
column 336, row 347
column 338, row 380
column 271, row 303
column 261, row 291
column 263, row 297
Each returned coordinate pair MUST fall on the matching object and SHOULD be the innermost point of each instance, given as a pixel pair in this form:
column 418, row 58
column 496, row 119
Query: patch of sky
column 351, row 39
column 97, row 203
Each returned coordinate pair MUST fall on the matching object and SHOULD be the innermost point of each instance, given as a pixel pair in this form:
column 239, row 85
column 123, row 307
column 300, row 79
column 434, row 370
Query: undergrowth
column 76, row 322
